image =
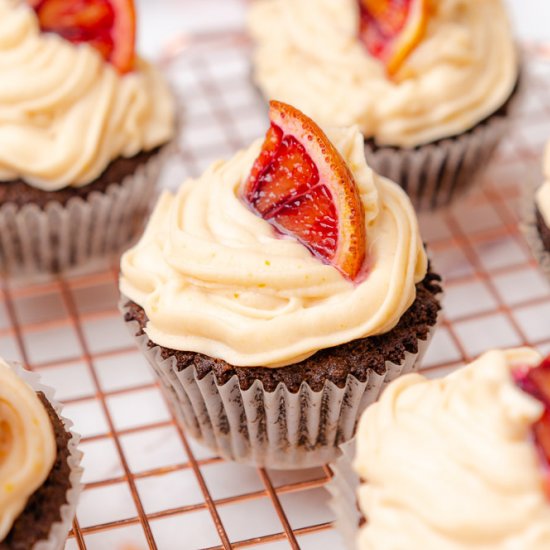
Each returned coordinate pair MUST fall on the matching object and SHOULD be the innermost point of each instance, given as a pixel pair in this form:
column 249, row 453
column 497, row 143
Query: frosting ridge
column 27, row 446
column 65, row 113
column 462, row 71
column 215, row 278
column 451, row 461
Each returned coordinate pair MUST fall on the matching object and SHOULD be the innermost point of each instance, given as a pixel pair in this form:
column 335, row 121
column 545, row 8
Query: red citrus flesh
column 536, row 382
column 391, row 29
column 302, row 186
column 107, row 25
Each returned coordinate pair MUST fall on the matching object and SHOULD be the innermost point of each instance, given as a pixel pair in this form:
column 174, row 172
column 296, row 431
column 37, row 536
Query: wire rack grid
column 149, row 486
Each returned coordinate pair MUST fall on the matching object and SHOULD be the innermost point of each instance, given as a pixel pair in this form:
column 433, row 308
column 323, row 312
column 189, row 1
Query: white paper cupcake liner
column 343, row 491
column 59, row 530
column 528, row 225
column 83, row 232
column 279, row 429
column 435, row 174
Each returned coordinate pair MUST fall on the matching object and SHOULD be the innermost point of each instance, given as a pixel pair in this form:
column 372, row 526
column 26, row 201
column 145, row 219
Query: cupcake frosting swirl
column 542, row 197
column 308, row 54
column 450, row 464
column 27, row 446
column 65, row 113
column 214, row 278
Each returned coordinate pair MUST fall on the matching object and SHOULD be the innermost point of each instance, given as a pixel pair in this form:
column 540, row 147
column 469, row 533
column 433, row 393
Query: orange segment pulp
column 107, row 25
column 391, row 29
column 302, row 186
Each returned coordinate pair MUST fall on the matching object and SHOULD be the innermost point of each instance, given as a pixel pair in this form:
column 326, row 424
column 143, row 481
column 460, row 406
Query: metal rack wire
column 148, row 485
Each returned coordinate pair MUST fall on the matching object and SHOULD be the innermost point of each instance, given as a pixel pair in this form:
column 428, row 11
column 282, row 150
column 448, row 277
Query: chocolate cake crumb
column 544, row 231
column 20, row 193
column 43, row 507
column 355, row 358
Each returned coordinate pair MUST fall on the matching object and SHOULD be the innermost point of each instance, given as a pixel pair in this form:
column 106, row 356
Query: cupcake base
column 535, row 231
column 543, row 229
column 47, row 518
column 20, row 193
column 43, row 507
column 295, row 416
column 435, row 174
column 47, row 232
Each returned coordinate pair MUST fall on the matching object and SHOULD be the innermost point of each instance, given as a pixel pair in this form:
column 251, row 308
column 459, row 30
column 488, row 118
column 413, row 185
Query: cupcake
column 428, row 83
column 456, row 463
column 83, row 129
column 276, row 294
column 39, row 465
column 536, row 216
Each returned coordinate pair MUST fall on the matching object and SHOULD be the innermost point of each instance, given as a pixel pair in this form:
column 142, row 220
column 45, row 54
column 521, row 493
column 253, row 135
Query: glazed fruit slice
column 391, row 29
column 302, row 186
column 107, row 25
column 536, row 382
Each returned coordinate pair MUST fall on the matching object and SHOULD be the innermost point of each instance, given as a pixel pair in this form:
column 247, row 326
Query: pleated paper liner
column 435, row 174
column 60, row 529
column 343, row 491
column 279, row 429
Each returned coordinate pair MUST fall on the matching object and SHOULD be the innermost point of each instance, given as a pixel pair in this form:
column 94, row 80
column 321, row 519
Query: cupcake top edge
column 65, row 112
column 462, row 70
column 542, row 197
column 27, row 446
column 455, row 462
column 215, row 277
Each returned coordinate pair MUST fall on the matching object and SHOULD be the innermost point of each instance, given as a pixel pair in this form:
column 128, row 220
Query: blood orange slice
column 536, row 382
column 107, row 25
column 391, row 29
column 302, row 186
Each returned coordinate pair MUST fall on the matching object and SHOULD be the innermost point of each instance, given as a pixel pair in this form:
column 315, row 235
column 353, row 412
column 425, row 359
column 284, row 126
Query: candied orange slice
column 302, row 186
column 107, row 25
column 391, row 29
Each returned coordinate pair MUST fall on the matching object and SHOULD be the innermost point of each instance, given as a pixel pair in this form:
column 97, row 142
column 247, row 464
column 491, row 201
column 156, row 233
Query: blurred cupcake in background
column 276, row 294
column 84, row 125
column 536, row 215
column 457, row 463
column 39, row 464
column 542, row 204
column 429, row 83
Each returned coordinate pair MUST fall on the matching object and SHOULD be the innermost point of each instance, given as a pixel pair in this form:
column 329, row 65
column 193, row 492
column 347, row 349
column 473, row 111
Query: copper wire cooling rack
column 149, row 486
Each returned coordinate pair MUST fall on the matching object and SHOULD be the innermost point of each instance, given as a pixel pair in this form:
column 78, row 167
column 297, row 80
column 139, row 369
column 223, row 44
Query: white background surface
column 163, row 20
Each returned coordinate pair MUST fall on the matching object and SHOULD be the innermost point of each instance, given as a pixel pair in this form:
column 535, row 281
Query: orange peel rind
column 392, row 29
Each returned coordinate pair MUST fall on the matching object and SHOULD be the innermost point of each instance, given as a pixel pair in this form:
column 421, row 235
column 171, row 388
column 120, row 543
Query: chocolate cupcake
column 83, row 133
column 536, row 216
column 429, row 84
column 457, row 463
column 40, row 467
column 543, row 223
column 276, row 294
